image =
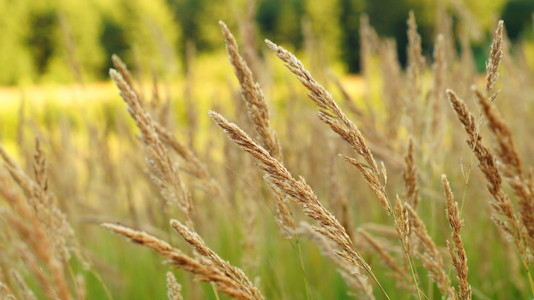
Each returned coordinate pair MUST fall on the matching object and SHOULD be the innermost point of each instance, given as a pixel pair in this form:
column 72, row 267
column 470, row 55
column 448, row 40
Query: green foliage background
column 65, row 40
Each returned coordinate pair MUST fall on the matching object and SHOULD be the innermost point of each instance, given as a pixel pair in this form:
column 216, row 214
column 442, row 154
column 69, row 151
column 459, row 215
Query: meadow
column 258, row 176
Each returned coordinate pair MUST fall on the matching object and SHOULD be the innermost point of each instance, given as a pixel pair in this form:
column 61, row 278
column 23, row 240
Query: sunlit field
column 266, row 170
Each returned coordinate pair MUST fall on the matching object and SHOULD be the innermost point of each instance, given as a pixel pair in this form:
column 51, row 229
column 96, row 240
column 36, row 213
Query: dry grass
column 380, row 233
column 456, row 249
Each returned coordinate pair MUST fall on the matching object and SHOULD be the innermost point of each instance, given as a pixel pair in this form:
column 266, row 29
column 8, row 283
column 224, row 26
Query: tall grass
column 334, row 198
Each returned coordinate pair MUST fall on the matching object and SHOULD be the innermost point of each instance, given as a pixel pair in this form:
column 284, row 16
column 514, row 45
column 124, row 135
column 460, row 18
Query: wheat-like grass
column 258, row 113
column 504, row 215
column 122, row 68
column 410, row 176
column 6, row 293
column 252, row 95
column 50, row 235
column 38, row 241
column 174, row 289
column 430, row 254
column 163, row 168
column 492, row 65
column 205, row 271
column 195, row 165
column 230, row 271
column 331, row 114
column 512, row 166
column 298, row 190
column 456, row 248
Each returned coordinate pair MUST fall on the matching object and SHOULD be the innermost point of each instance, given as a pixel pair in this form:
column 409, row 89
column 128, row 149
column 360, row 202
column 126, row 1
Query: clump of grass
column 47, row 239
column 210, row 268
column 504, row 214
column 300, row 192
column 258, row 113
column 163, row 168
column 381, row 244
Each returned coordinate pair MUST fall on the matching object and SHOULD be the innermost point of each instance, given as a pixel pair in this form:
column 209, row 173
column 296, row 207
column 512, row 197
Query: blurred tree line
column 64, row 40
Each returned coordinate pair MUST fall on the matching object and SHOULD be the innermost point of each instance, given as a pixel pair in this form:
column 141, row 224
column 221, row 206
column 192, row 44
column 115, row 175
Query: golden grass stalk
column 410, row 176
column 252, row 95
column 174, row 289
column 55, row 235
column 230, row 271
column 298, row 190
column 504, row 215
column 258, row 113
column 6, row 293
column 331, row 114
column 503, row 211
column 32, row 237
column 30, row 259
column 402, row 225
column 492, row 65
column 349, row 102
column 121, row 67
column 205, row 272
column 163, row 168
column 378, row 142
column 456, row 248
column 430, row 255
column 522, row 185
column 196, row 167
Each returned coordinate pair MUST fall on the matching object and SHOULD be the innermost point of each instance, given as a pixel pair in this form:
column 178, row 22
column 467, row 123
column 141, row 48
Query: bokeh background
column 63, row 41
